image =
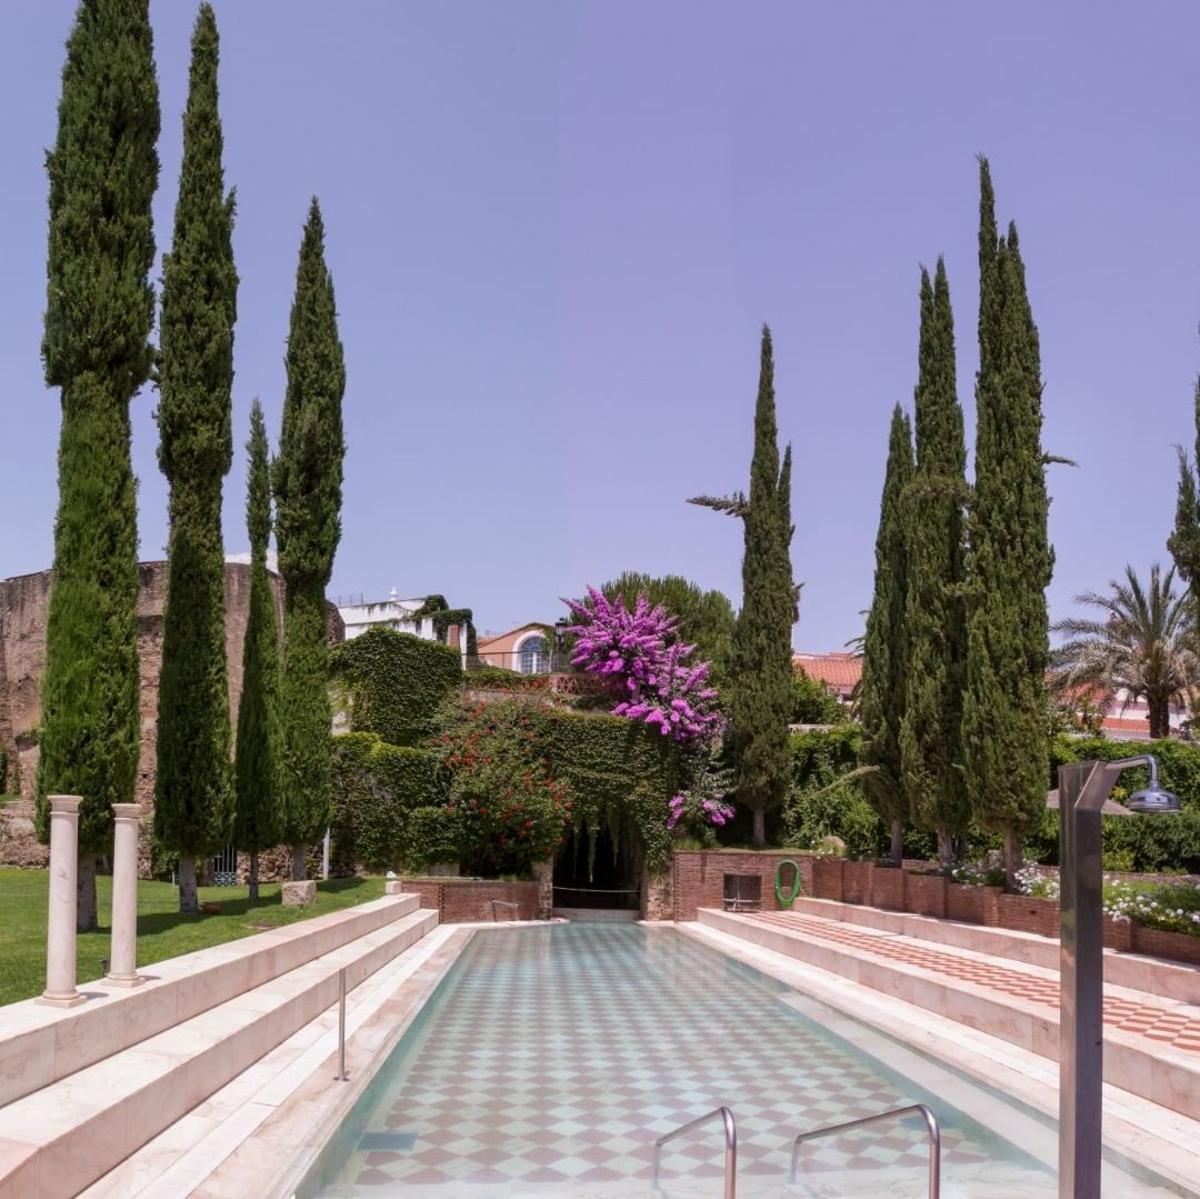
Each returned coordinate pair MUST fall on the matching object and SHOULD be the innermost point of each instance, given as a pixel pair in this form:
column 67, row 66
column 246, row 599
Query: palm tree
column 1142, row 647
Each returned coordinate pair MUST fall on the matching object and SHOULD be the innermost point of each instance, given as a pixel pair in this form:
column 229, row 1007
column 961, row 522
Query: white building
column 393, row 613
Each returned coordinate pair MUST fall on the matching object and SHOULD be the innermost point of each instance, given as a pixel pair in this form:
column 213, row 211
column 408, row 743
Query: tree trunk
column 945, row 847
column 254, row 876
column 1012, row 858
column 189, row 901
column 897, row 854
column 1160, row 720
column 299, row 868
column 759, row 835
column 85, row 892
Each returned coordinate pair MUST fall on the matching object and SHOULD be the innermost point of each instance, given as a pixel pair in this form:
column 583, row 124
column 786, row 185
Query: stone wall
column 24, row 605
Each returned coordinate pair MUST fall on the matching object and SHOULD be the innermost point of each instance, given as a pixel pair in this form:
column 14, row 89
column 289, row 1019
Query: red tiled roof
column 1126, row 727
column 840, row 671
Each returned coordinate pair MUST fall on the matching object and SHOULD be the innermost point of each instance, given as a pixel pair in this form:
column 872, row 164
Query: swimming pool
column 549, row 1059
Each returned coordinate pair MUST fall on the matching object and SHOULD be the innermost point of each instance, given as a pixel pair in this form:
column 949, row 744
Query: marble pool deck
column 259, row 1135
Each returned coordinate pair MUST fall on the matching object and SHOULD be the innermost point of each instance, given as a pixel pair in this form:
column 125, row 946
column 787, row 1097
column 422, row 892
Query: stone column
column 544, row 873
column 122, row 969
column 60, row 931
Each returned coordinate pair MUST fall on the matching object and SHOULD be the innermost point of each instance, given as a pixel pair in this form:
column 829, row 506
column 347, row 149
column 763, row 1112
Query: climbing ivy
column 392, row 683
column 621, row 774
column 377, row 790
column 444, row 616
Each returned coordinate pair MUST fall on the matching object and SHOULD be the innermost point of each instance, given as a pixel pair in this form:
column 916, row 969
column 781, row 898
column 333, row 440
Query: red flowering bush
column 513, row 812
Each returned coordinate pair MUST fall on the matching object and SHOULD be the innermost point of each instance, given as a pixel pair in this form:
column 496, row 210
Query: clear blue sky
column 556, row 227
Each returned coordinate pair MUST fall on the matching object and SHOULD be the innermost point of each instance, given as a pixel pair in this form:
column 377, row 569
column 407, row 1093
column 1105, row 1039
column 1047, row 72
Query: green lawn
column 162, row 931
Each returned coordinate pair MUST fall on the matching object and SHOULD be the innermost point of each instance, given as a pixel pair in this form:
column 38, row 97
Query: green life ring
column 787, row 898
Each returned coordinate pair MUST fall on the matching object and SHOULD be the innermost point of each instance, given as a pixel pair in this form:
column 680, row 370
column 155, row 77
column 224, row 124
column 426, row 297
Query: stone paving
column 1151, row 1019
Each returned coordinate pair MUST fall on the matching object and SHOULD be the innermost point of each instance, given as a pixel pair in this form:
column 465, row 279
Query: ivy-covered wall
column 443, row 617
column 389, row 806
column 392, row 683
column 621, row 774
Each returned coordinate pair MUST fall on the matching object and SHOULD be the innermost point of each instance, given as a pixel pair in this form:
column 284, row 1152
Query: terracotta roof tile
column 841, row 671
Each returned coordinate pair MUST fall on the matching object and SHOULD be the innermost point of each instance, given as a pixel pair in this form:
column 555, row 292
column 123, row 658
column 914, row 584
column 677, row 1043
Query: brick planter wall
column 462, row 901
column 887, row 888
column 1024, row 913
column 925, row 894
column 1179, row 947
column 1118, row 934
column 827, row 878
column 856, row 881
column 698, row 876
column 964, row 903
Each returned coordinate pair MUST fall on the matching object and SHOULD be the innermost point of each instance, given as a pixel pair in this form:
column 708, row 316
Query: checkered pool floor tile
column 557, row 1055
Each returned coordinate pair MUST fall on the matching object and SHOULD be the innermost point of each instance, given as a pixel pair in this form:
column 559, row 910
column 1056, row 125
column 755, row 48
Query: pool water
column 549, row 1059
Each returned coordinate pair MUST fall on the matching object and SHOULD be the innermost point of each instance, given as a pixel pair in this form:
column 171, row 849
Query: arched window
column 532, row 655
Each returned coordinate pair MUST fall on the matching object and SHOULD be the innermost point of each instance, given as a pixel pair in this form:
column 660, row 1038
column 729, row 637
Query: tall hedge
column 377, row 788
column 103, row 172
column 393, row 683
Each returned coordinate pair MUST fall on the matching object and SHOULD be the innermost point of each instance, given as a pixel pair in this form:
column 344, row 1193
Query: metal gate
column 224, row 868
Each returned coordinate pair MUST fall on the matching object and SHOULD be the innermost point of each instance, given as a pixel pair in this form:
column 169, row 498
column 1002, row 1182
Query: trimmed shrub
column 431, row 836
column 376, row 788
column 393, row 683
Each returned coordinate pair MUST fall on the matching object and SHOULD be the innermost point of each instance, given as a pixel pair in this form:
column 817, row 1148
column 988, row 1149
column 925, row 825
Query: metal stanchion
column 342, row 1076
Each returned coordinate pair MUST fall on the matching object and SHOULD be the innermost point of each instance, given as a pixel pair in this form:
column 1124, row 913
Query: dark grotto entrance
column 612, row 883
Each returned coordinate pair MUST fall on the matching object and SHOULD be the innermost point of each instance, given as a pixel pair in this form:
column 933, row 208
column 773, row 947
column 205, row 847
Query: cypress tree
column 885, row 645
column 193, row 793
column 934, row 618
column 1184, row 542
column 256, row 826
column 103, row 170
column 761, row 662
column 1006, row 754
column 308, row 501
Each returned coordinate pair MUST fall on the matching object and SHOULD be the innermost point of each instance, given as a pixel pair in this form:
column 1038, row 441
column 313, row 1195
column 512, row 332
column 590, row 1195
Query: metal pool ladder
column 931, row 1124
column 730, row 1145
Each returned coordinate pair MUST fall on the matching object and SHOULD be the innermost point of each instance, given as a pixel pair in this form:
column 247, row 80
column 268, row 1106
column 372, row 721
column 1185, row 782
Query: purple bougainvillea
column 638, row 650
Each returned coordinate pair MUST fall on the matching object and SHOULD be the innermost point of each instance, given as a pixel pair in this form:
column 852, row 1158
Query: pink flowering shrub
column 638, row 651
column 701, row 808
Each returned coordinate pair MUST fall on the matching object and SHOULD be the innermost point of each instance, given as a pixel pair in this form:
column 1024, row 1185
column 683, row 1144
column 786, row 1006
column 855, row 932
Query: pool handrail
column 730, row 1146
column 931, row 1125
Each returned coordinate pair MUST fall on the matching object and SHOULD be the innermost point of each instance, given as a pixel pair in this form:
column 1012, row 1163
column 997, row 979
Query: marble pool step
column 1152, row 1044
column 40, row 1045
column 58, row 1140
column 1170, row 980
